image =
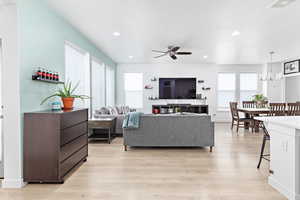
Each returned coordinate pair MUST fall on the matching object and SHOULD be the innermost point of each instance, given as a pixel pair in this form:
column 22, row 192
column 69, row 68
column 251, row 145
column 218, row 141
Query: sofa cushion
column 119, row 109
column 102, row 111
column 126, row 109
column 113, row 111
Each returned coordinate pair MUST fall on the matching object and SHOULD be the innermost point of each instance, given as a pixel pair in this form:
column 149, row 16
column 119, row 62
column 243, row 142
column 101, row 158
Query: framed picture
column 291, row 67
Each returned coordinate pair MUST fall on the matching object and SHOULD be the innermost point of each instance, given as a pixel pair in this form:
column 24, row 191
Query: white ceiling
column 202, row 26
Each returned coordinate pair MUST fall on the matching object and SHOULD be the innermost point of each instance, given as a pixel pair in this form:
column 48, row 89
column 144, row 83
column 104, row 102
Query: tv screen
column 177, row 88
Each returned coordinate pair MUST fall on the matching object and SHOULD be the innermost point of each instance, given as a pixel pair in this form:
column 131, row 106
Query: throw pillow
column 126, row 109
column 102, row 111
column 113, row 111
column 119, row 109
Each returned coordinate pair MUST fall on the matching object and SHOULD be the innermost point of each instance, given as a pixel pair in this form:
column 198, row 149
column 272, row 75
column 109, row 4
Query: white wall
column 292, row 89
column 206, row 72
column 11, row 98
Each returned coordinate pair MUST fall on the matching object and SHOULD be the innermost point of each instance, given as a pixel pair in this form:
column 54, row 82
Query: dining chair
column 236, row 120
column 263, row 104
column 266, row 138
column 293, row 109
column 277, row 109
column 249, row 104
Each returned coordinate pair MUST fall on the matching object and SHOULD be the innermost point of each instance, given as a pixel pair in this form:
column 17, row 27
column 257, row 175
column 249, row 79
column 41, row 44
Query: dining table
column 254, row 112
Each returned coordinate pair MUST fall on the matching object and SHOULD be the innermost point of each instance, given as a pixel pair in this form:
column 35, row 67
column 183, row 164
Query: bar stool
column 265, row 139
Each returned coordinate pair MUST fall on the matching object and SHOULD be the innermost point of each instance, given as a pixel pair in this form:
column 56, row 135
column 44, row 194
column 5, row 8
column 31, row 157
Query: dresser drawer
column 73, row 118
column 68, row 149
column 72, row 161
column 69, row 134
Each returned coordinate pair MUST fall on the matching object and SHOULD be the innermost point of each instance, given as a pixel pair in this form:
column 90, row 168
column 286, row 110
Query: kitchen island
column 285, row 154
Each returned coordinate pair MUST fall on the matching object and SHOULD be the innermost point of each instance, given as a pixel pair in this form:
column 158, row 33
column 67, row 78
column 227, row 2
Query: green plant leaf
column 67, row 91
column 76, row 86
column 49, row 97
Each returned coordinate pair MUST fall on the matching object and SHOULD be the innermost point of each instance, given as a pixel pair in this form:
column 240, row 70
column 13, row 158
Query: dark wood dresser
column 54, row 143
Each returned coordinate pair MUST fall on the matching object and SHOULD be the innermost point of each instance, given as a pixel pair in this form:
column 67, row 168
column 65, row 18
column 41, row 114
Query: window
column 110, row 86
column 133, row 83
column 226, row 89
column 248, row 86
column 236, row 87
column 97, row 80
column 77, row 69
column 98, row 85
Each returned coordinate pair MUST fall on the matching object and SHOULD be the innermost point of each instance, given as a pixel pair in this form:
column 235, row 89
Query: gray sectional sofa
column 176, row 130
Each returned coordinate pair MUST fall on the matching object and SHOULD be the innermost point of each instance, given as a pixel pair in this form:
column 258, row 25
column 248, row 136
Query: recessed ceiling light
column 116, row 34
column 130, row 57
column 236, row 33
column 205, row 57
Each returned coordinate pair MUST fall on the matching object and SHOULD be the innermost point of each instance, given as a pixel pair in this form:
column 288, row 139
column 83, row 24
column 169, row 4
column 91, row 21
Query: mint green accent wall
column 42, row 34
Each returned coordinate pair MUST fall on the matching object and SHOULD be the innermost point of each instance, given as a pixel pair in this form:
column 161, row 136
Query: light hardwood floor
column 229, row 173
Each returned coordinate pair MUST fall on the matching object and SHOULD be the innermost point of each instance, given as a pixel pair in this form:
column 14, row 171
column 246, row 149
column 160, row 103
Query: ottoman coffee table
column 107, row 123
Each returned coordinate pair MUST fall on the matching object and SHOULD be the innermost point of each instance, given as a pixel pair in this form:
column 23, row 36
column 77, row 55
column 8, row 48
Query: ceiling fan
column 172, row 52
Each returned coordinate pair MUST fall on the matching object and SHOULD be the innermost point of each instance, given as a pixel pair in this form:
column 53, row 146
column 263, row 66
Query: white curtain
column 98, row 85
column 110, row 86
column 77, row 69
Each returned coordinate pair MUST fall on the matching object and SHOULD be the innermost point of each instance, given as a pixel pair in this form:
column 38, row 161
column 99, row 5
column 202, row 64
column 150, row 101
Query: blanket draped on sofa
column 132, row 120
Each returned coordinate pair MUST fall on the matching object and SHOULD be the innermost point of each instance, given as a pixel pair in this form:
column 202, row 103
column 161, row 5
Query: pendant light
column 270, row 76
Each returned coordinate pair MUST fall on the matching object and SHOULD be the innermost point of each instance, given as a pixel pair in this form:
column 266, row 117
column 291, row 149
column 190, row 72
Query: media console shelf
column 175, row 108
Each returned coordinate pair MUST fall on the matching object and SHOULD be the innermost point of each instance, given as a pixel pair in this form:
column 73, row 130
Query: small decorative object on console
column 148, row 87
column 153, row 79
column 56, row 105
column 206, row 88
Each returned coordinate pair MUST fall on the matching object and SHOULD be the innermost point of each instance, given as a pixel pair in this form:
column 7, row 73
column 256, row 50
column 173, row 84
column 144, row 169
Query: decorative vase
column 68, row 103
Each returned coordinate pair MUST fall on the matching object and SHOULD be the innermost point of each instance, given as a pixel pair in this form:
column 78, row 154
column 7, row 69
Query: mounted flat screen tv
column 177, row 88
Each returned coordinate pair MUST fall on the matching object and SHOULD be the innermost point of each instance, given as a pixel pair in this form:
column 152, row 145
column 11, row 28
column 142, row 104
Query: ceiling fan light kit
column 172, row 52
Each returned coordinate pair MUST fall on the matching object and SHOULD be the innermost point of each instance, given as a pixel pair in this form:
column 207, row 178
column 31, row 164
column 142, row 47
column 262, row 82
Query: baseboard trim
column 283, row 190
column 13, row 183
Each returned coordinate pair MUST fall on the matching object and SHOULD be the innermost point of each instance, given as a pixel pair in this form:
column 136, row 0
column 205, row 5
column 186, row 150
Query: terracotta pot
column 68, row 103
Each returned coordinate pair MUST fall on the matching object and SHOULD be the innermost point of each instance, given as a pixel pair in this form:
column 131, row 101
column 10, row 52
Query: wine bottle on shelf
column 50, row 75
column 39, row 74
column 57, row 76
column 43, row 73
column 47, row 75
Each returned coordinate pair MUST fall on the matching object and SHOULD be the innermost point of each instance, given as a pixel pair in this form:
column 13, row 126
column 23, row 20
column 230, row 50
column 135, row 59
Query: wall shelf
column 48, row 81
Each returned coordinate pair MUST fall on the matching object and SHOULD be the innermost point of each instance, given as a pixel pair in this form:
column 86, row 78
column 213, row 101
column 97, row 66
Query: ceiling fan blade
column 160, row 55
column 159, row 51
column 183, row 53
column 174, row 49
column 173, row 57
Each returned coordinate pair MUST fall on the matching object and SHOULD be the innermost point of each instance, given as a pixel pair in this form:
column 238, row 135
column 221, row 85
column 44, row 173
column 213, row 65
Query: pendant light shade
column 270, row 75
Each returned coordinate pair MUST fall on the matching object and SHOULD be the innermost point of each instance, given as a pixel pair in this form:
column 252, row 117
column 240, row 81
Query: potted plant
column 260, row 99
column 67, row 95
